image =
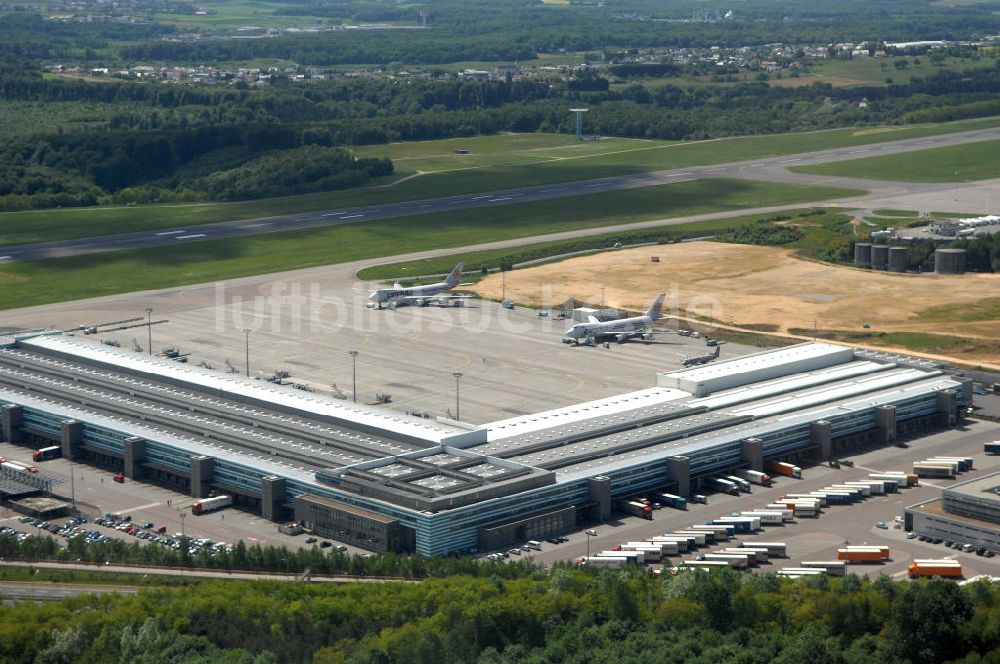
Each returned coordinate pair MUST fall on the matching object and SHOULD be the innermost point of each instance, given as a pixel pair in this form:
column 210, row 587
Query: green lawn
column 107, row 273
column 534, row 162
column 866, row 71
column 959, row 163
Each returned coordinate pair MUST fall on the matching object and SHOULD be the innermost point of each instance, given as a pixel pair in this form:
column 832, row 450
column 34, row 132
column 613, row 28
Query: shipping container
column 755, row 476
column 612, row 562
column 857, row 556
column 760, row 555
column 832, row 567
column 875, row 487
column 210, row 504
column 949, row 568
column 703, row 564
column 634, row 557
column 774, row 549
column 786, row 469
column 743, row 484
column 964, row 463
column 17, row 466
column 670, row 500
column 945, row 471
column 738, row 562
column 700, row 538
column 635, row 508
column 47, row 453
column 724, row 486
column 807, row 496
column 992, row 448
column 766, row 518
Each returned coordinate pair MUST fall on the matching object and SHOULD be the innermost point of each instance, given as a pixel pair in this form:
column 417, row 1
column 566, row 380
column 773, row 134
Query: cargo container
column 863, row 490
column 859, row 556
column 700, row 538
column 683, row 544
column 651, row 553
column 722, row 531
column 786, row 469
column 938, row 461
column 798, row 572
column 210, row 504
column 759, row 555
column 47, row 453
column 945, row 471
column 703, row 564
column 906, row 479
column 807, row 496
column 928, row 567
column 735, row 561
column 787, row 513
column 755, row 476
column 667, row 547
column 875, row 488
column 834, row 497
column 612, row 562
column 892, row 483
column 635, row 508
column 964, row 463
column 742, row 524
column 670, row 500
column 636, row 557
column 710, row 535
column 832, row 567
column 774, row 549
column 767, row 518
column 724, row 486
column 992, row 448
column 743, row 484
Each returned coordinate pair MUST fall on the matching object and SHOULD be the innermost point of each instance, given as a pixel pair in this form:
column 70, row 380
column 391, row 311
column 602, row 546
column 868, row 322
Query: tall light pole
column 72, row 485
column 354, row 374
column 458, row 401
column 590, row 532
column 246, row 333
column 149, row 329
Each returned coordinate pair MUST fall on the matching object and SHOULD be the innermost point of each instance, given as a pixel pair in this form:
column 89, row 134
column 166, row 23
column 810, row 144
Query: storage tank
column 897, row 259
column 949, row 261
column 880, row 256
column 862, row 254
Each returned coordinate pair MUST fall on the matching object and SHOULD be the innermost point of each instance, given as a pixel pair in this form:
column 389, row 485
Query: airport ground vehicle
column 929, row 567
column 47, row 453
column 210, row 504
column 786, row 469
column 635, row 508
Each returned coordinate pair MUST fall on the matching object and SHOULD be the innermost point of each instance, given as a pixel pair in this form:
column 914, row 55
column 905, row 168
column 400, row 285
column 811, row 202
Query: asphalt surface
column 771, row 169
column 44, row 590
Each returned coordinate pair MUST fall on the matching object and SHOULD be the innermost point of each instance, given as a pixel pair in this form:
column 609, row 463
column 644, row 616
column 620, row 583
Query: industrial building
column 968, row 512
column 387, row 481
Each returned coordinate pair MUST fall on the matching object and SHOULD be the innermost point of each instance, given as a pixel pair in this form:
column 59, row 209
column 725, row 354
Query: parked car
column 882, row 524
column 325, row 544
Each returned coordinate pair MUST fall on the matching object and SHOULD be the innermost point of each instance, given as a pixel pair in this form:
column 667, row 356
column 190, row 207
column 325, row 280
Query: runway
column 970, row 198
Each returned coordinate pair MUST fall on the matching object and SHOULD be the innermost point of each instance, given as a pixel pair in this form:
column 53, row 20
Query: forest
column 565, row 615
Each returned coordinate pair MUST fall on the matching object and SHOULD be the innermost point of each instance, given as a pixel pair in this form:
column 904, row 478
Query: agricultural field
column 756, row 287
column 874, row 71
column 59, row 280
column 962, row 163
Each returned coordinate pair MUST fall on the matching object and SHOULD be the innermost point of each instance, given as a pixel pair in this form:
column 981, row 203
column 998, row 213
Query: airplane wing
column 593, row 319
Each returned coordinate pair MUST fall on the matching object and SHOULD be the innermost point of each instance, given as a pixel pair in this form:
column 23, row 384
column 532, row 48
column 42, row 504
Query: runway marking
column 502, row 198
column 139, row 507
column 713, row 170
column 352, row 216
column 677, row 175
column 476, row 198
column 788, row 161
column 424, row 205
column 4, row 258
column 752, row 165
column 330, row 214
column 588, row 186
column 189, row 237
column 260, row 225
column 171, row 232
column 858, row 151
column 546, row 191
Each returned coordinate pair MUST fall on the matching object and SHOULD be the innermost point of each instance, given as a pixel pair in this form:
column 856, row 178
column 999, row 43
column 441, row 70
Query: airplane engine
column 420, row 303
column 647, row 336
column 621, row 338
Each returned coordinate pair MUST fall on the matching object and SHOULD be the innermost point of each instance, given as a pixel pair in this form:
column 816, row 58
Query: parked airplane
column 702, row 359
column 620, row 330
column 420, row 296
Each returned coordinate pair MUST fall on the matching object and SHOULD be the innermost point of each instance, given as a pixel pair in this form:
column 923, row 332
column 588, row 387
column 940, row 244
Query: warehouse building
column 392, row 482
column 968, row 512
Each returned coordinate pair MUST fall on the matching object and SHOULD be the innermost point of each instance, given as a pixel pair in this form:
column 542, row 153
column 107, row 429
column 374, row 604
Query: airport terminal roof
column 240, row 387
column 988, row 485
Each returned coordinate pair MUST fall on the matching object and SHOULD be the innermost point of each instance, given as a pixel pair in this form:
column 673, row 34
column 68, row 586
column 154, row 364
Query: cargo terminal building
column 385, row 481
column 968, row 512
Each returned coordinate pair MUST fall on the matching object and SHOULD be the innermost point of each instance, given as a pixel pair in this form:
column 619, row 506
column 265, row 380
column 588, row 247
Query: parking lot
column 819, row 538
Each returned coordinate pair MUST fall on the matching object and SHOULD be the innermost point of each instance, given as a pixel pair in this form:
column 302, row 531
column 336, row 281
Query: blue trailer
column 670, row 500
column 992, row 448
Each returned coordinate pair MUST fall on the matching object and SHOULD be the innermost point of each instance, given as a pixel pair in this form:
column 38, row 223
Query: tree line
column 566, row 615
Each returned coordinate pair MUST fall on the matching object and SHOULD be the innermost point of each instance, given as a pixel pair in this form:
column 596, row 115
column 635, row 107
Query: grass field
column 108, row 273
column 960, row 163
column 507, row 161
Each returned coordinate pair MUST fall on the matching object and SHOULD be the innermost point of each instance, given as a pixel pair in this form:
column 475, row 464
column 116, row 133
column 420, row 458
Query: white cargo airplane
column 420, row 296
column 621, row 330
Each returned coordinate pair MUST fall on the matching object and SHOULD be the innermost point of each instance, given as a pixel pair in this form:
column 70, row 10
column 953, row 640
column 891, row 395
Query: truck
column 724, row 486
column 633, row 557
column 787, row 513
column 47, row 453
column 667, row 547
column 875, row 487
column 210, row 504
column 992, row 448
column 767, row 518
column 930, row 567
column 798, row 572
column 722, row 531
column 735, row 561
column 706, row 565
column 945, row 471
column 955, row 464
column 806, row 496
column 683, row 544
column 832, row 567
column 670, row 500
column 860, row 490
column 906, row 479
column 651, row 553
column 836, row 497
column 786, row 469
column 755, row 476
column 860, row 556
column 774, row 549
column 635, row 508
column 892, row 483
column 700, row 538
column 17, row 466
column 743, row 484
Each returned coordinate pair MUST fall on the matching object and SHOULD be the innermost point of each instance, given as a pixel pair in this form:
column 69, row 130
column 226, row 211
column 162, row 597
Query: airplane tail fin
column 655, row 310
column 455, row 277
column 718, row 350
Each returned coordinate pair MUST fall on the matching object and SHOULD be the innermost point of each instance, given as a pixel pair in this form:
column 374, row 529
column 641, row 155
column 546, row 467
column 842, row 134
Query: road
column 771, row 169
column 44, row 590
